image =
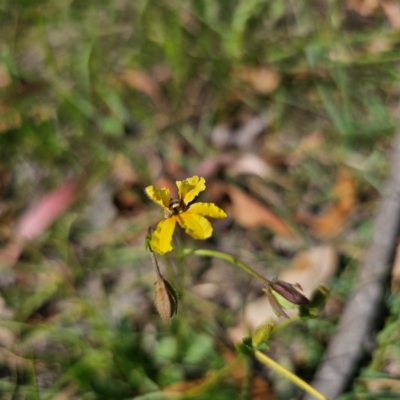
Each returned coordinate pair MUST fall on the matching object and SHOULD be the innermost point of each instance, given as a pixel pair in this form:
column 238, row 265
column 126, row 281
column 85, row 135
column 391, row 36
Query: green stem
column 289, row 375
column 180, row 259
column 155, row 265
column 227, row 257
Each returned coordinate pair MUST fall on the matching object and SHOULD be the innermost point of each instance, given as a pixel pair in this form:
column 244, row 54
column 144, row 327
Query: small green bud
column 317, row 302
column 165, row 298
column 319, row 296
column 262, row 334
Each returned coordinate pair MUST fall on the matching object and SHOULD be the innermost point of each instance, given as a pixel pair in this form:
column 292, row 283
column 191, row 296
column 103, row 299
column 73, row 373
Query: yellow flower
column 191, row 218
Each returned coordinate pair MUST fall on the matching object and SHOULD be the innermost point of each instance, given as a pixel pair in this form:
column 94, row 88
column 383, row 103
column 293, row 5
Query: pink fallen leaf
column 392, row 11
column 43, row 213
column 38, row 218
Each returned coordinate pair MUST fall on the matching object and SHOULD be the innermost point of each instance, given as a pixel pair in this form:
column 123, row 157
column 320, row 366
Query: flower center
column 175, row 206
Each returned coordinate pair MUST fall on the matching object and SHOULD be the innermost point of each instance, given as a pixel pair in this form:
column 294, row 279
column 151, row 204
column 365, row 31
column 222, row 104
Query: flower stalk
column 264, row 359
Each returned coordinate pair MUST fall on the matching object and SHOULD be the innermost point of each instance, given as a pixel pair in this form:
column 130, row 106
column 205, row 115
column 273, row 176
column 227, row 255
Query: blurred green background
column 118, row 95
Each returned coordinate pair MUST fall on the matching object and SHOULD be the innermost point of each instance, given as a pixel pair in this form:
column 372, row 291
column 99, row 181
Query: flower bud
column 165, row 298
column 289, row 292
column 274, row 302
column 262, row 334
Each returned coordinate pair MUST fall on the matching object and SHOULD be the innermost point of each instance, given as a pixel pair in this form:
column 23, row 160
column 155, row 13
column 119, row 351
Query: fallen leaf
column 250, row 213
column 260, row 389
column 335, row 215
column 44, row 212
column 141, row 81
column 264, row 79
column 38, row 218
column 309, row 268
column 392, row 12
column 381, row 384
column 249, row 163
column 363, row 7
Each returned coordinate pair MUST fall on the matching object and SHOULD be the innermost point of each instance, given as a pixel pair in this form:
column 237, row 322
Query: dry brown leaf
column 363, row 7
column 392, row 11
column 382, row 384
column 334, row 217
column 250, row 213
column 395, row 284
column 142, row 82
column 309, row 268
column 264, row 79
column 260, row 389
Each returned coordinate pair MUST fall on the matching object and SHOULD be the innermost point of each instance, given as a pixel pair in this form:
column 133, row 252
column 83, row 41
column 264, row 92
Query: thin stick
column 356, row 327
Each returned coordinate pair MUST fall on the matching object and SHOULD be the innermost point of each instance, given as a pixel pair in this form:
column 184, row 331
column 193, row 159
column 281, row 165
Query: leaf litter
column 284, row 152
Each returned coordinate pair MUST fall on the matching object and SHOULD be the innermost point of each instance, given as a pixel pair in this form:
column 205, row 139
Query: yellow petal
column 162, row 237
column 195, row 225
column 207, row 210
column 160, row 196
column 189, row 188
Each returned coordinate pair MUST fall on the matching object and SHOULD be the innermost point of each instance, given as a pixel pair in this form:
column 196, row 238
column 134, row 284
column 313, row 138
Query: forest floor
column 287, row 109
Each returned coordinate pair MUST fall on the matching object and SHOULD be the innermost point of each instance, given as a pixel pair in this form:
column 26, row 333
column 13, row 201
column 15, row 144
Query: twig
column 354, row 335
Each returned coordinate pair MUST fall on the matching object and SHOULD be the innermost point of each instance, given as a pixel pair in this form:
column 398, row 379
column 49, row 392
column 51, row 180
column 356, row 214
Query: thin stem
column 180, row 259
column 227, row 257
column 155, row 265
column 289, row 375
